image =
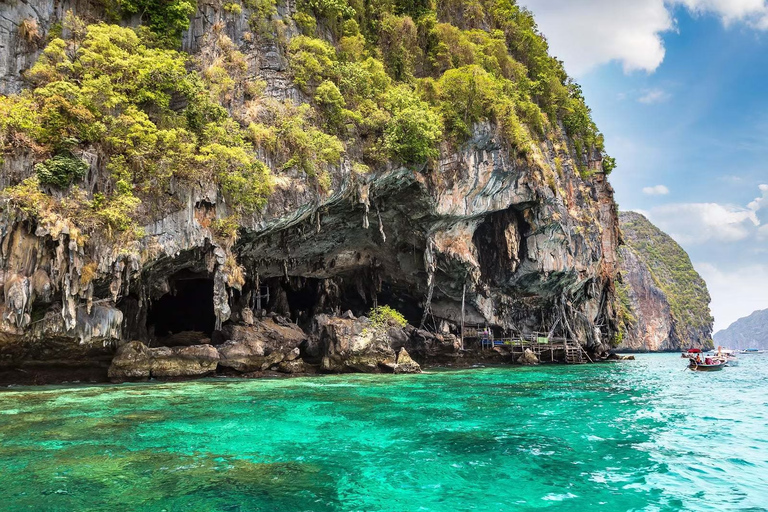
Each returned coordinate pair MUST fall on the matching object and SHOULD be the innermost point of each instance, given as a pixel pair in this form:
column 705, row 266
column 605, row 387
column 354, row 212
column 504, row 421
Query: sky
column 680, row 90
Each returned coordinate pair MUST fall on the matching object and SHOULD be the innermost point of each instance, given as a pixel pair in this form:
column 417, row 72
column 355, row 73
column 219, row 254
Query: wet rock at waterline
column 292, row 366
column 527, row 358
column 354, row 345
column 260, row 346
column 136, row 361
column 405, row 364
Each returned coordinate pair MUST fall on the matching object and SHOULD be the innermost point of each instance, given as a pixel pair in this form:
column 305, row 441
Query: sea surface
column 634, row 435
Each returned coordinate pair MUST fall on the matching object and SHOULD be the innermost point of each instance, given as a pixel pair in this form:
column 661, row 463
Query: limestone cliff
column 747, row 332
column 665, row 303
column 521, row 226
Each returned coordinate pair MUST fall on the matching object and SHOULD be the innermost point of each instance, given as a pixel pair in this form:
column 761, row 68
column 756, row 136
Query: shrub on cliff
column 289, row 136
column 150, row 116
column 166, row 19
column 469, row 60
column 382, row 316
column 414, row 130
column 61, row 170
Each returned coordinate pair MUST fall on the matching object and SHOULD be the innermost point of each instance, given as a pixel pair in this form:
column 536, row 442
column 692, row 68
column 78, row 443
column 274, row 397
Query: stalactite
column 430, row 266
column 381, row 224
column 363, row 191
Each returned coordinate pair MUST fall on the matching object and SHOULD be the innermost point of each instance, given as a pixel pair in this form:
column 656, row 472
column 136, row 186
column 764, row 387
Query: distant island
column 663, row 301
column 747, row 332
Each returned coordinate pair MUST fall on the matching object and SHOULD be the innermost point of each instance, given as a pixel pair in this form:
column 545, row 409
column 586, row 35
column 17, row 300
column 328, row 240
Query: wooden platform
column 538, row 343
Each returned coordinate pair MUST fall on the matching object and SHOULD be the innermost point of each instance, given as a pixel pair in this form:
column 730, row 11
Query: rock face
column 135, row 361
column 665, row 303
column 435, row 347
column 523, row 242
column 404, row 363
column 262, row 345
column 527, row 358
column 747, row 332
column 354, row 345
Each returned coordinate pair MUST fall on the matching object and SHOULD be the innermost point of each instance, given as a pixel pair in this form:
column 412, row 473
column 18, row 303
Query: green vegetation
column 458, row 62
column 292, row 139
column 105, row 88
column 672, row 273
column 386, row 82
column 165, row 19
column 61, row 170
column 382, row 316
column 413, row 131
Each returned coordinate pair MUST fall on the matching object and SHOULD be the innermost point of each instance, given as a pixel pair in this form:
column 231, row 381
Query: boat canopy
column 694, row 350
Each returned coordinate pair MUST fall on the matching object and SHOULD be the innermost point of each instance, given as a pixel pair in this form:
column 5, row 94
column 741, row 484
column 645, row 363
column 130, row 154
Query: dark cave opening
column 188, row 307
column 301, row 298
column 501, row 245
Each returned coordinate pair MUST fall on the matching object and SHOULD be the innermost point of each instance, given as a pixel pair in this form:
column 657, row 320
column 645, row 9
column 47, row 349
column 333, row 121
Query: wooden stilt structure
column 537, row 342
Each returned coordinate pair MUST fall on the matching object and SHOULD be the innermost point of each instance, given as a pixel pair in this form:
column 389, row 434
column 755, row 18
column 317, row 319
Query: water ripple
column 640, row 435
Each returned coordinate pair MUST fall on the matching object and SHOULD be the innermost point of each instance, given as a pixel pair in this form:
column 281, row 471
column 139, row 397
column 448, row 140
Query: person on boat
column 698, row 358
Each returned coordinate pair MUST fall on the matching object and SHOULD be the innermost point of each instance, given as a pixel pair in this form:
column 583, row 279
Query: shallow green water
column 640, row 435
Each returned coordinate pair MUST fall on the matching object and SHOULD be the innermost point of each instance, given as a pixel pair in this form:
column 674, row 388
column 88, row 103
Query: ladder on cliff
column 574, row 354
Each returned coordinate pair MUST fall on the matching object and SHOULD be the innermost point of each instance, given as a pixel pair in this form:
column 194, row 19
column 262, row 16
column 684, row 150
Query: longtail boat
column 712, row 366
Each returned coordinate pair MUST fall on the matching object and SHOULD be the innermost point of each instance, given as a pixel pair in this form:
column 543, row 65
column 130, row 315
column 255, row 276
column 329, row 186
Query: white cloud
column 658, row 190
column 588, row 33
column 735, row 292
column 654, row 96
column 760, row 202
column 731, row 178
column 751, row 11
column 642, row 212
column 697, row 223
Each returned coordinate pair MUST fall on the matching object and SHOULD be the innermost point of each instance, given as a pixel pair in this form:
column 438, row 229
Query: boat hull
column 706, row 367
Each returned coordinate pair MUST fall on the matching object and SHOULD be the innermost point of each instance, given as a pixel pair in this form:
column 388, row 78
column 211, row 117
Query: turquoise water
column 637, row 435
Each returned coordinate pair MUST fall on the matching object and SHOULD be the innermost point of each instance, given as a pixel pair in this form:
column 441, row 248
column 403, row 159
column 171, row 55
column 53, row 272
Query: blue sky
column 680, row 90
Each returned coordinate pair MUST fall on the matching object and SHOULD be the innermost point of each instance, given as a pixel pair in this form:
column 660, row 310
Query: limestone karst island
column 357, row 255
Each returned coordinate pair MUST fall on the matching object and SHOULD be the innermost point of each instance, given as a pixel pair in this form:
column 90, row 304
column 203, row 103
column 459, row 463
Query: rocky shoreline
column 273, row 346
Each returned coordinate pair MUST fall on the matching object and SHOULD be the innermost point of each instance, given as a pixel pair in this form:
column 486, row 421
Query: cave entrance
column 188, row 307
column 301, row 298
column 500, row 241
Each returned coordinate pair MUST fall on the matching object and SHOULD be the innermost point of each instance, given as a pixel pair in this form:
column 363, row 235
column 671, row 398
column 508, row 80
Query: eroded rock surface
column 355, row 345
column 136, row 361
column 527, row 358
column 260, row 346
column 404, row 363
